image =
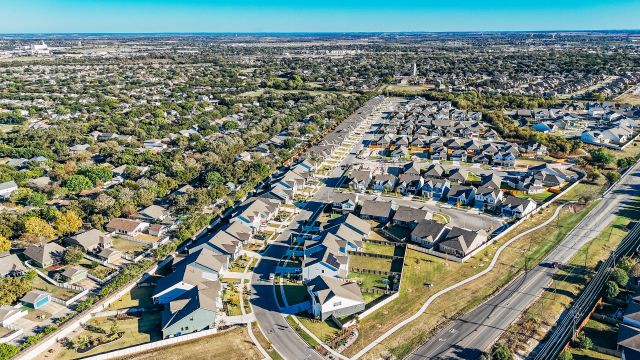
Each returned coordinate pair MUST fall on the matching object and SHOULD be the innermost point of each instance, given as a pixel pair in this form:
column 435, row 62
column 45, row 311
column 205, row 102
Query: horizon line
column 314, row 32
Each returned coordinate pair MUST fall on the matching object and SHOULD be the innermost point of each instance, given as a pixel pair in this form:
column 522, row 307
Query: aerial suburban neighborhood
column 374, row 195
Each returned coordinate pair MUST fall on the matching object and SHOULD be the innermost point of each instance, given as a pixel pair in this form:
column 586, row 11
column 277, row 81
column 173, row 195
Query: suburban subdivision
column 320, row 196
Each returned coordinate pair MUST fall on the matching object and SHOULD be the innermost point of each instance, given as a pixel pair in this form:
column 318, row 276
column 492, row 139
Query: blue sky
column 37, row 16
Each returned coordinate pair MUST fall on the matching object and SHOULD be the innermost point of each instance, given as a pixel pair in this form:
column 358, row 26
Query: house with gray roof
column 517, row 207
column 406, row 216
column 379, row 211
column 195, row 309
column 331, row 297
column 90, row 240
column 45, row 255
column 428, row 232
column 7, row 188
column 461, row 242
column 11, row 265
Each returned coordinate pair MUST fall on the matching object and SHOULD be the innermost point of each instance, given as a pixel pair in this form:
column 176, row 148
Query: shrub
column 619, row 276
column 611, row 289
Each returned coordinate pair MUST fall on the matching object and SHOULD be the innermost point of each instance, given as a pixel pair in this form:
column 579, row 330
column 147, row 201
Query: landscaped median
column 424, row 275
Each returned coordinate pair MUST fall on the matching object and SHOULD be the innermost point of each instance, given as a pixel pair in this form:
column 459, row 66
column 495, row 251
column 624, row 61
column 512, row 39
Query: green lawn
column 371, row 263
column 579, row 190
column 369, row 280
column 579, row 354
column 294, row 293
column 136, row 331
column 603, row 335
column 539, row 198
column 138, row 296
column 231, row 300
column 323, row 330
column 379, row 248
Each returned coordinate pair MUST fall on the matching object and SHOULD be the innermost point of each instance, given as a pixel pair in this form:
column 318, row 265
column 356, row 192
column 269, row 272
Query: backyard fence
column 374, row 255
column 375, row 272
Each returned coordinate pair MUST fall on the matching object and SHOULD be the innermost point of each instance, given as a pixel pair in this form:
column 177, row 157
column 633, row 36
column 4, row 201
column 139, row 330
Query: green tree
column 96, row 173
column 213, row 178
column 612, row 176
column 566, row 355
column 611, row 289
column 290, row 143
column 77, row 183
column 500, row 351
column 584, row 342
column 625, row 162
column 619, row 276
column 230, row 125
column 601, row 156
column 627, row 263
column 8, row 351
column 73, row 255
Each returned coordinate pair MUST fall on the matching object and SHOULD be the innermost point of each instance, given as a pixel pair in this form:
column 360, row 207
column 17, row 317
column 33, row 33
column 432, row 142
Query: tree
column 500, row 351
column 8, row 351
column 619, row 276
column 601, row 157
column 612, row 176
column 96, row 173
column 635, row 271
column 290, row 143
column 77, row 183
column 584, row 342
column 565, row 355
column 67, row 223
column 213, row 178
column 73, row 255
column 230, row 125
column 627, row 263
column 625, row 162
column 37, row 230
column 5, row 244
column 611, row 289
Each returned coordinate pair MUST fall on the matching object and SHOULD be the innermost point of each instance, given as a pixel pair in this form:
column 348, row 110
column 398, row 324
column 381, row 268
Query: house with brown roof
column 126, row 226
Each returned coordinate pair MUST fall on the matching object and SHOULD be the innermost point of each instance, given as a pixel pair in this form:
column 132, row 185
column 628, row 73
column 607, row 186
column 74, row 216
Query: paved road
column 271, row 320
column 469, row 336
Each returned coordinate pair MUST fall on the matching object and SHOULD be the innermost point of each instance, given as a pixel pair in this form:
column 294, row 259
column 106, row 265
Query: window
column 337, row 303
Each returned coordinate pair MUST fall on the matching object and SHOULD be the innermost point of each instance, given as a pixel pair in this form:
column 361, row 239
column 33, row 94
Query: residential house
column 333, row 298
column 45, row 255
column 126, row 226
column 257, row 211
column 11, row 265
column 74, row 274
column 435, row 188
column 461, row 242
column 504, row 158
column 434, row 171
column 461, row 195
column 488, row 197
column 109, row 255
column 428, row 232
column 410, row 183
column 517, row 207
column 379, row 211
column 35, row 299
column 458, row 176
column 409, row 217
column 360, row 180
column 196, row 309
column 154, row 214
column 384, row 182
column 344, row 202
column 90, row 240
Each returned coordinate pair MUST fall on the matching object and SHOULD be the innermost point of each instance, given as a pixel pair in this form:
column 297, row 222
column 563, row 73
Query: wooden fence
column 374, row 255
column 375, row 272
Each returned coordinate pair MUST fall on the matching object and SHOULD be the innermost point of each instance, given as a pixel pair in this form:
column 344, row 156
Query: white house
column 7, row 188
column 331, row 297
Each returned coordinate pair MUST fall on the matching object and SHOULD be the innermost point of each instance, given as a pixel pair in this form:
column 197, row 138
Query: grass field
column 371, row 263
column 295, row 293
column 60, row 293
column 308, row 339
column 234, row 344
column 136, row 331
column 129, row 247
column 379, row 248
column 571, row 279
column 323, row 330
column 579, row 354
column 539, row 198
column 369, row 280
column 421, row 269
column 138, row 296
column 407, row 89
column 231, row 300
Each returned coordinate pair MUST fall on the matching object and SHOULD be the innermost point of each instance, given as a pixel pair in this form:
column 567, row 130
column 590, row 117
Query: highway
column 469, row 336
